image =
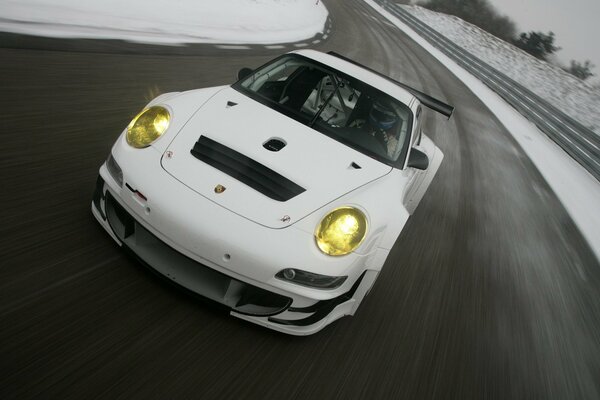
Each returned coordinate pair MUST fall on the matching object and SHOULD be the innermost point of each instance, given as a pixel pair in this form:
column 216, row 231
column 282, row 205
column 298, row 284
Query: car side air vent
column 245, row 170
column 274, row 144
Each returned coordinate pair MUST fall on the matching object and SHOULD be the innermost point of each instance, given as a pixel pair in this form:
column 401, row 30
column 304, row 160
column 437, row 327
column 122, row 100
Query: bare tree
column 581, row 70
column 478, row 12
column 538, row 44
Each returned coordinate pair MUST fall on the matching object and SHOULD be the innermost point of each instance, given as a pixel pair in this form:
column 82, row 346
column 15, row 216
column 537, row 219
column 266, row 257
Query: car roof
column 363, row 74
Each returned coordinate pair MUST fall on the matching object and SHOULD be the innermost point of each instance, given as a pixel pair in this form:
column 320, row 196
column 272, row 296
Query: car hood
column 224, row 153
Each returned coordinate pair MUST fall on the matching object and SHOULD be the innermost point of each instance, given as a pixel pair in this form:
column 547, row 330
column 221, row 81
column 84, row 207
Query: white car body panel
column 240, row 234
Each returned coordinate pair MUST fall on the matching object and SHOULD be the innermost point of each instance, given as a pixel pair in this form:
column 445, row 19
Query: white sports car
column 279, row 196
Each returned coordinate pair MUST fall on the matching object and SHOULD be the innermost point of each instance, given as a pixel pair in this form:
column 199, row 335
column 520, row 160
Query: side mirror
column 244, row 72
column 417, row 159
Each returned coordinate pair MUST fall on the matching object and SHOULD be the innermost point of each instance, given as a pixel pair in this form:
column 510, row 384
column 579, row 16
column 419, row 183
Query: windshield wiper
column 322, row 108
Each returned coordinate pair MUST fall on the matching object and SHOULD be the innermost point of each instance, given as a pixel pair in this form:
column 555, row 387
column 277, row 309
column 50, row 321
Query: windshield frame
column 399, row 163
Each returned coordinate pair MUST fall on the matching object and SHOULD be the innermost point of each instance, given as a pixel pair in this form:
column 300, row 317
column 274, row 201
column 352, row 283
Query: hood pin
column 286, row 219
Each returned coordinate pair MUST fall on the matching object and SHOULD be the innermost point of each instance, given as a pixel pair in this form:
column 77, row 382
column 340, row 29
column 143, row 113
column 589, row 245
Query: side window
column 271, row 82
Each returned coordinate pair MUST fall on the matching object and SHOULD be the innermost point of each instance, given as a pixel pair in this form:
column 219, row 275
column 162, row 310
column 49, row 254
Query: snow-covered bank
column 167, row 22
column 578, row 191
column 573, row 96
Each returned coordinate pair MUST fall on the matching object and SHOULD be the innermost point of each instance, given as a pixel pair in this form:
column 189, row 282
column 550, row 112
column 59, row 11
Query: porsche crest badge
column 219, row 189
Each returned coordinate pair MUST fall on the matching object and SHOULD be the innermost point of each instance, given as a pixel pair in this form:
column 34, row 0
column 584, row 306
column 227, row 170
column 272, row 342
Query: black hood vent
column 274, row 144
column 245, row 170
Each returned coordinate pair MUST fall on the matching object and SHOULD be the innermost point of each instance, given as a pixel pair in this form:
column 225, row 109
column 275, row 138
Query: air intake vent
column 246, row 170
column 274, row 144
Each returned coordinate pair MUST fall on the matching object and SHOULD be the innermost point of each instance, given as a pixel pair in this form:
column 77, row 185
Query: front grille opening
column 245, row 170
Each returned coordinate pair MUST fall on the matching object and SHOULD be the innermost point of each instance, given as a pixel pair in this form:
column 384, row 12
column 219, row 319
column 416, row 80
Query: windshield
column 344, row 108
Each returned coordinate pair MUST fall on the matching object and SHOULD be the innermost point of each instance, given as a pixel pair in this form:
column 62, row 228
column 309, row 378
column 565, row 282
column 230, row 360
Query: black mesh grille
column 246, row 170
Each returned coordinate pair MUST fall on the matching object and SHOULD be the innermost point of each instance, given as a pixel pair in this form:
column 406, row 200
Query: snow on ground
column 170, row 22
column 578, row 191
column 575, row 97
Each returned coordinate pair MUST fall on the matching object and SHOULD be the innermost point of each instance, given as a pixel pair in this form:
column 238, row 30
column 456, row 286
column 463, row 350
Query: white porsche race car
column 279, row 196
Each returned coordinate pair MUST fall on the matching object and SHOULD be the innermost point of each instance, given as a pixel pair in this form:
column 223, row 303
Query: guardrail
column 580, row 142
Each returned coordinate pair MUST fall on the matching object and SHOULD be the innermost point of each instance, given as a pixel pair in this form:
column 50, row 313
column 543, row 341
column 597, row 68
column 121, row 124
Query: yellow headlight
column 341, row 231
column 148, row 126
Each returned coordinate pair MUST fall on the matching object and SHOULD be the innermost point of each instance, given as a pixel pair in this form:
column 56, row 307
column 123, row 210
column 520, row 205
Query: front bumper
column 271, row 307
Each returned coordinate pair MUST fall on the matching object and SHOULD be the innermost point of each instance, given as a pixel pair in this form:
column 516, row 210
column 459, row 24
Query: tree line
column 482, row 14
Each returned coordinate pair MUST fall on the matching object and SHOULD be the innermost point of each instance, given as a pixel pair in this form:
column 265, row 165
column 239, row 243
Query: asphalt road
column 490, row 292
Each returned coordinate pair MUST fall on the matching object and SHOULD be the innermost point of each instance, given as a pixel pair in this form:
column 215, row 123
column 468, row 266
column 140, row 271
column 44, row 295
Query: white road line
column 300, row 44
column 275, row 46
column 316, row 41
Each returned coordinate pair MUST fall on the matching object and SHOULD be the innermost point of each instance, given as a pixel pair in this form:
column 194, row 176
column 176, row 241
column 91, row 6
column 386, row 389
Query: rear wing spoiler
column 425, row 99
